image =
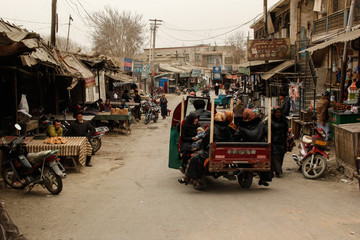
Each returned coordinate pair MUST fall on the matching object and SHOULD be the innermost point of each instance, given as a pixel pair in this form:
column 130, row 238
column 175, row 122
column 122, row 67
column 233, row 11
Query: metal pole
column 53, row 23
column 345, row 54
column 68, row 35
column 212, row 120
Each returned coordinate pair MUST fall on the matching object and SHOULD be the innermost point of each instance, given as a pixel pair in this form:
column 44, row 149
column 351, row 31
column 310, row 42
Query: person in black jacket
column 279, row 130
column 253, row 129
column 200, row 110
column 188, row 133
column 137, row 99
column 285, row 104
column 126, row 96
column 79, row 128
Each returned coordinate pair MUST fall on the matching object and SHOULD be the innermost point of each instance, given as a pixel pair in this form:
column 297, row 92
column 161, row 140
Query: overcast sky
column 186, row 22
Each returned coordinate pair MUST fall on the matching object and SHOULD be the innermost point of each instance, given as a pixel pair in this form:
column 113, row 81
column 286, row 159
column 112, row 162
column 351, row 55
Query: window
column 197, row 56
column 187, row 57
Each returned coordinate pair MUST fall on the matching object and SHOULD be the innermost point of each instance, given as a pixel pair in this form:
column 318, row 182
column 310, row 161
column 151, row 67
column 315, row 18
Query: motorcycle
column 312, row 157
column 152, row 111
column 205, row 94
column 95, row 140
column 21, row 170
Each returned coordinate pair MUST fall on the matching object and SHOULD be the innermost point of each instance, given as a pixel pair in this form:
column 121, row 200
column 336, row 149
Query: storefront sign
column 184, row 74
column 127, row 64
column 217, row 73
column 138, row 68
column 275, row 49
column 244, row 70
column 145, row 71
column 196, row 72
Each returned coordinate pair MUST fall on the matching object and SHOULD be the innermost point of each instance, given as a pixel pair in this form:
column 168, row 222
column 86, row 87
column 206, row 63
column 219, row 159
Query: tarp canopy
column 167, row 68
column 121, row 77
column 283, row 66
column 341, row 38
column 256, row 63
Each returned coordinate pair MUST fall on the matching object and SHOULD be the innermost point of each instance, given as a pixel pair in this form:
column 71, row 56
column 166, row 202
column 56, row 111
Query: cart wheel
column 245, row 179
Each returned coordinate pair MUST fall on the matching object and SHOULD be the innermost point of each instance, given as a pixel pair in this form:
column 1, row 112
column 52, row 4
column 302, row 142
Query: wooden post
column 269, row 121
column 212, row 120
column 232, row 105
column 182, row 112
column 16, row 98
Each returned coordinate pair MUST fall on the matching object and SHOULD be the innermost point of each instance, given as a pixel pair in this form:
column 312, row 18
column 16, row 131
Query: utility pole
column 150, row 49
column 154, row 22
column 345, row 54
column 266, row 61
column 53, row 23
column 265, row 19
column 68, row 35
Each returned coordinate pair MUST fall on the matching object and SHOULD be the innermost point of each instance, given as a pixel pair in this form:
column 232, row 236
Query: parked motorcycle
column 21, row 169
column 312, row 157
column 152, row 111
column 95, row 140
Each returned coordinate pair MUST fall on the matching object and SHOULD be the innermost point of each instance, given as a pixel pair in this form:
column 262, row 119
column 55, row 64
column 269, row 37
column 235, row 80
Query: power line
column 14, row 19
column 204, row 39
column 85, row 10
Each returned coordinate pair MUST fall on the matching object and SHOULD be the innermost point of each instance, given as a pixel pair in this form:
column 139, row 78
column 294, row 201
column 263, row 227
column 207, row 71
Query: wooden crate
column 306, row 116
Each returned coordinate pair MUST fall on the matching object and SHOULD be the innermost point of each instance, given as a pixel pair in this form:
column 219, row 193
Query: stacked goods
column 343, row 107
column 118, row 111
column 55, row 140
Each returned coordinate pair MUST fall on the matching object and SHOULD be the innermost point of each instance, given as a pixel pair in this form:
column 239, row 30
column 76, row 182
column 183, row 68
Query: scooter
column 312, row 157
column 22, row 170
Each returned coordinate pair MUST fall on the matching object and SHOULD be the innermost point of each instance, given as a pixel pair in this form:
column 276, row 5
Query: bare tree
column 61, row 44
column 237, row 44
column 119, row 34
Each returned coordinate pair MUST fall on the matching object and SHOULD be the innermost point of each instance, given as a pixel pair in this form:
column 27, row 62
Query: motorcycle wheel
column 245, row 179
column 96, row 144
column 156, row 117
column 52, row 181
column 10, row 179
column 314, row 172
column 147, row 118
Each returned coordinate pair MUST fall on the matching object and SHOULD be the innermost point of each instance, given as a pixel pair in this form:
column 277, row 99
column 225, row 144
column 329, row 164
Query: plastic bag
column 24, row 104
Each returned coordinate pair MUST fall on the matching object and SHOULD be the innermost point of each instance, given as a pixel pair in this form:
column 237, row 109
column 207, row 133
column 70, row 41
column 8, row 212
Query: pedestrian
column 107, row 106
column 238, row 112
column 79, row 128
column 137, row 99
column 322, row 113
column 126, row 96
column 285, row 104
column 279, row 130
column 216, row 88
column 163, row 105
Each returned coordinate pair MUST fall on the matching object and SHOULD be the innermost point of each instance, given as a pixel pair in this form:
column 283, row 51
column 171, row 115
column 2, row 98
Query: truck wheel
column 245, row 179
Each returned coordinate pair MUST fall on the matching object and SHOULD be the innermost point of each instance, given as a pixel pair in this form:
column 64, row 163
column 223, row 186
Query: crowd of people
column 241, row 125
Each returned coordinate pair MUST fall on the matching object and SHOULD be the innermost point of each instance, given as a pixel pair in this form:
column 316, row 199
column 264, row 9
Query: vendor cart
column 223, row 100
column 120, row 122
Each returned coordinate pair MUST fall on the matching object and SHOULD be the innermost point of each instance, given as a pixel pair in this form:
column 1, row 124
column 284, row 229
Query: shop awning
column 283, row 66
column 163, row 75
column 256, row 63
column 121, row 77
column 341, row 38
column 167, row 68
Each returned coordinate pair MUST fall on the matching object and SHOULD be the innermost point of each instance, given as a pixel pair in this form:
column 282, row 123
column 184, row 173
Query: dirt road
column 130, row 193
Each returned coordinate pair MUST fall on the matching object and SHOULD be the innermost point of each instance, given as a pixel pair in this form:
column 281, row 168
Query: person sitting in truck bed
column 200, row 110
column 253, row 129
column 224, row 131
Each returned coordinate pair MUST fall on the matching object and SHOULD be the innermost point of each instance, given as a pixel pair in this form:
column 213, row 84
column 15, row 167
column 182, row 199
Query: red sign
column 273, row 49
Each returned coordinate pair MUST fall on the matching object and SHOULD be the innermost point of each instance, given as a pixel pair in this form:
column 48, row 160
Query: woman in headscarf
column 188, row 133
column 279, row 129
column 223, row 132
column 238, row 112
column 163, row 106
column 253, row 129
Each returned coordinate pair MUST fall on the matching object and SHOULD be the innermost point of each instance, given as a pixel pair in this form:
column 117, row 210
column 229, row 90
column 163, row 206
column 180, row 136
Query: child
column 200, row 134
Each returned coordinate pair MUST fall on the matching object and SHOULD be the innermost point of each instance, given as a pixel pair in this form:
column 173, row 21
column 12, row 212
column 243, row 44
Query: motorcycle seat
column 306, row 139
column 33, row 157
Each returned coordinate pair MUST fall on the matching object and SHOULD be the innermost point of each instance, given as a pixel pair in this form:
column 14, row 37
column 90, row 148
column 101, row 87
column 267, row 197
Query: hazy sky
column 186, row 22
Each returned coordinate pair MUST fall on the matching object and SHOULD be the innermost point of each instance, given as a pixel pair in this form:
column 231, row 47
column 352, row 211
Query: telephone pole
column 53, row 23
column 68, row 35
column 154, row 23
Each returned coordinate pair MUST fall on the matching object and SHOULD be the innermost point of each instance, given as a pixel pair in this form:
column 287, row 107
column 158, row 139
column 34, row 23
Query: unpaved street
column 130, row 193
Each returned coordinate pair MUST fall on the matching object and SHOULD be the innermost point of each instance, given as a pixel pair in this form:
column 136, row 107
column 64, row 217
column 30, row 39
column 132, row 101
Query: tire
column 96, row 144
column 156, row 117
column 147, row 118
column 10, row 179
column 245, row 179
column 52, row 181
column 318, row 171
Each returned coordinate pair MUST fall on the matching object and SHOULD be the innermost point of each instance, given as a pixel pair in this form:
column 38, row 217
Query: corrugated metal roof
column 167, row 68
column 341, row 38
column 121, row 77
column 75, row 67
column 283, row 66
column 40, row 54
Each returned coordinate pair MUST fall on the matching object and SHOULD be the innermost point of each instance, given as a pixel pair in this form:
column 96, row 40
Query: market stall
column 75, row 148
column 122, row 121
column 347, row 147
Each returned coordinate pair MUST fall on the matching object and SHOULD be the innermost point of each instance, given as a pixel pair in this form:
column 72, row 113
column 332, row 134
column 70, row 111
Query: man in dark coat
column 137, row 99
column 79, row 128
column 200, row 110
column 126, row 96
column 285, row 104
